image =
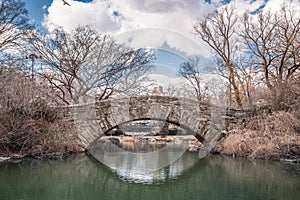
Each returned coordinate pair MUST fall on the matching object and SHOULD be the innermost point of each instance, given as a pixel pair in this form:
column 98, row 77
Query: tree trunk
column 232, row 82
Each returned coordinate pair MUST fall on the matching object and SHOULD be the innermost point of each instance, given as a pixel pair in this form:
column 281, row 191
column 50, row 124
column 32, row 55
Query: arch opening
column 148, row 124
column 144, row 135
column 170, row 128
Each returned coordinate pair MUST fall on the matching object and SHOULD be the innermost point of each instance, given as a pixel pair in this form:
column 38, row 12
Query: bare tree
column 273, row 40
column 190, row 71
column 85, row 63
column 14, row 89
column 171, row 90
column 218, row 30
column 14, row 29
column 14, row 23
column 247, row 75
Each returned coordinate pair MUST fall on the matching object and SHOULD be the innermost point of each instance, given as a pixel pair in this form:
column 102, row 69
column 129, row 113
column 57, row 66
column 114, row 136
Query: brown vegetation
column 36, row 130
column 273, row 135
column 268, row 136
column 28, row 125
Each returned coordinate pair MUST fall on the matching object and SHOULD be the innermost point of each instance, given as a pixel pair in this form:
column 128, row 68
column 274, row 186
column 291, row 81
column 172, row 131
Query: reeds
column 269, row 136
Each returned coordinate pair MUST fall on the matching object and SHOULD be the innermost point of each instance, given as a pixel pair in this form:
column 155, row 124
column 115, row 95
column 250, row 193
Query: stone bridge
column 204, row 120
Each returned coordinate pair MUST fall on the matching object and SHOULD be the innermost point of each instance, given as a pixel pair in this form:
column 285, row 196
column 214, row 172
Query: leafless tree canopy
column 218, row 31
column 274, row 42
column 13, row 23
column 264, row 46
column 14, row 29
column 190, row 71
column 84, row 63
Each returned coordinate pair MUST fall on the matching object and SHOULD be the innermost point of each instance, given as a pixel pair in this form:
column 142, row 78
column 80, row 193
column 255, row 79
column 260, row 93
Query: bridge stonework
column 203, row 120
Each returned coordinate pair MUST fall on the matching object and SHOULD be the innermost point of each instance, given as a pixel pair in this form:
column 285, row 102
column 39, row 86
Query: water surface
column 214, row 177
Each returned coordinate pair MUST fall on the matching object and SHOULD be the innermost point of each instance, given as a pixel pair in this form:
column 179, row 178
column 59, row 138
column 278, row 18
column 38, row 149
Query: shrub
column 271, row 136
column 35, row 130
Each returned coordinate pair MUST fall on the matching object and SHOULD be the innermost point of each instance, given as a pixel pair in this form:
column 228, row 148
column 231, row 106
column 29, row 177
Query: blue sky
column 116, row 17
column 35, row 9
column 38, row 8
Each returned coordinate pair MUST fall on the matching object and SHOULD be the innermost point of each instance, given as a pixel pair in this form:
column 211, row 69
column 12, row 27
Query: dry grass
column 36, row 130
column 272, row 136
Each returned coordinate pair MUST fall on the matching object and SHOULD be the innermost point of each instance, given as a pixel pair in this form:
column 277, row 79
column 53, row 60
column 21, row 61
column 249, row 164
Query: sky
column 166, row 25
column 119, row 16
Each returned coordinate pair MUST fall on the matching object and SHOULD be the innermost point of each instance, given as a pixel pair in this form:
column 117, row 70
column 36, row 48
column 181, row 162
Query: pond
column 213, row 177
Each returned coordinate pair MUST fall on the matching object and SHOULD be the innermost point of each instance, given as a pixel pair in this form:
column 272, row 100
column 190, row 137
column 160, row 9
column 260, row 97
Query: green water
column 213, row 177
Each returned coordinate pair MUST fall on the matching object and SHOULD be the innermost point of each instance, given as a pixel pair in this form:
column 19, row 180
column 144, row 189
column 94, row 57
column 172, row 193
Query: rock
column 55, row 155
column 2, row 159
column 178, row 141
column 290, row 160
column 203, row 152
column 16, row 158
column 193, row 148
column 152, row 140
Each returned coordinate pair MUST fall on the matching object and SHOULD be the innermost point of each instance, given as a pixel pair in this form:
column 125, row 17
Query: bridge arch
column 93, row 120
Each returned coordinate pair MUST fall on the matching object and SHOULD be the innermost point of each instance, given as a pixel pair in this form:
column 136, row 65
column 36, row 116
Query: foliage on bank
column 269, row 136
column 36, row 130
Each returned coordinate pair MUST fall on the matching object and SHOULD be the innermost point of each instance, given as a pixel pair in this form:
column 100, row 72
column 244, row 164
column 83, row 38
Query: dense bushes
column 269, row 136
column 37, row 130
column 28, row 125
column 273, row 135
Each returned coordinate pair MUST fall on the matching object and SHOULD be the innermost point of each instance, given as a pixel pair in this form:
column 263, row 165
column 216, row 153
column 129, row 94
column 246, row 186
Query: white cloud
column 115, row 17
column 175, row 16
column 96, row 14
column 275, row 5
column 158, row 38
column 166, row 81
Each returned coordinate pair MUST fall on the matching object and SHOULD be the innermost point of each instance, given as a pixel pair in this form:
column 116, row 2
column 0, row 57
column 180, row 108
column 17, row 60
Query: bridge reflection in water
column 132, row 169
column 142, row 162
column 213, row 177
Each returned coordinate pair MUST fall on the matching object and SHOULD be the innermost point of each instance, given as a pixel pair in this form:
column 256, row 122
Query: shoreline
column 62, row 156
column 193, row 146
column 48, row 156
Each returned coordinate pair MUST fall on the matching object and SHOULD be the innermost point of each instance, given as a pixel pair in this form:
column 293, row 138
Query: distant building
column 158, row 90
column 48, row 71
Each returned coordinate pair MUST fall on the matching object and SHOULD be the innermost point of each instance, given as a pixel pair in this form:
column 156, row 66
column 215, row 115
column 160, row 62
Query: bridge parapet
column 204, row 120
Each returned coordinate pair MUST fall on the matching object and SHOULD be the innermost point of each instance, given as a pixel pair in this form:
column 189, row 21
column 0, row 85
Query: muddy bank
column 15, row 158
